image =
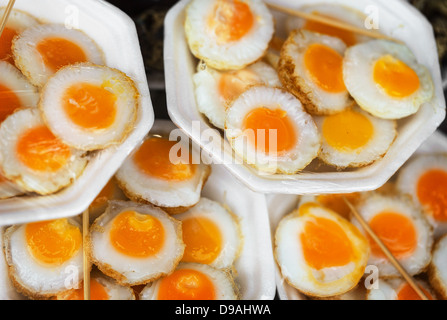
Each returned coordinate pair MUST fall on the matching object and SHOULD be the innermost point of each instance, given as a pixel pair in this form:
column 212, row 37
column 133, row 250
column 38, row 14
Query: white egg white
column 225, row 288
column 128, row 270
column 288, row 162
column 30, row 61
column 388, row 289
column 232, row 55
column 41, row 182
column 207, row 93
column 438, row 267
column 358, row 74
column 295, row 76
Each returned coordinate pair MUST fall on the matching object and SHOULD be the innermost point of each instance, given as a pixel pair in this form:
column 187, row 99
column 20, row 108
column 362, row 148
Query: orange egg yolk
column 231, row 20
column 58, row 52
column 407, row 293
column 106, row 194
column 203, row 240
column 53, row 242
column 262, row 123
column 347, row 131
column 336, row 203
column 325, row 244
column 97, row 292
column 325, row 66
column 186, row 284
column 137, row 235
column 9, row 102
column 432, row 193
column 232, row 84
column 348, row 37
column 6, row 44
column 153, row 158
column 40, row 150
column 396, row 78
column 397, row 233
column 90, row 106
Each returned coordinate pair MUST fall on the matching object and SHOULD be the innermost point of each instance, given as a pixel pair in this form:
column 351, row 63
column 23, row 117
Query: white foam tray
column 255, row 267
column 281, row 205
column 116, row 34
column 397, row 19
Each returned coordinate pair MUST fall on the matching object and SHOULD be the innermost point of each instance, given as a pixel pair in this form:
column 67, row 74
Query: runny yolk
column 348, row 37
column 261, row 124
column 396, row 78
column 186, row 284
column 58, row 52
column 325, row 244
column 90, row 106
column 232, row 84
column 336, row 203
column 97, row 292
column 407, row 293
column 6, row 44
column 153, row 158
column 325, row 66
column 137, row 235
column 397, row 233
column 40, row 150
column 203, row 240
column 432, row 193
column 347, row 131
column 9, row 102
column 231, row 20
column 53, row 242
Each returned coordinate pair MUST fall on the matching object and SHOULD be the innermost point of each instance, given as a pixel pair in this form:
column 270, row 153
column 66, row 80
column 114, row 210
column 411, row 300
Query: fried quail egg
column 438, row 267
column 269, row 129
column 90, row 107
column 8, row 189
column 214, row 89
column 44, row 258
column 334, row 202
column 228, row 34
column 17, row 22
column 15, row 91
column 398, row 289
column 135, row 243
column 101, row 288
column 42, row 50
column 402, row 228
column 318, row 252
column 385, row 79
column 311, row 67
column 35, row 159
column 424, row 179
column 334, row 12
column 156, row 174
column 354, row 138
column 111, row 191
column 192, row 281
column 211, row 234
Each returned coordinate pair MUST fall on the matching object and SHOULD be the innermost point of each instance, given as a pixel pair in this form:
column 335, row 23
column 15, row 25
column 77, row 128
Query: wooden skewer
column 330, row 22
column 385, row 250
column 6, row 15
column 85, row 230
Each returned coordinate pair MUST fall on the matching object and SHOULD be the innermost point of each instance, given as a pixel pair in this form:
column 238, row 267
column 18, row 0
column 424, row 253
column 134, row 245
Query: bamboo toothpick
column 385, row 250
column 85, row 230
column 6, row 15
column 330, row 22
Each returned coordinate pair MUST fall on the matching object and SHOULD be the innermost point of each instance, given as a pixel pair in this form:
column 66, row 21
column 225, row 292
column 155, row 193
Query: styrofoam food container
column 281, row 205
column 255, row 270
column 396, row 18
column 116, row 35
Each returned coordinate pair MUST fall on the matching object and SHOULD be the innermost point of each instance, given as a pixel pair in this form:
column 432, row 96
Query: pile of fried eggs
column 58, row 103
column 352, row 89
column 408, row 216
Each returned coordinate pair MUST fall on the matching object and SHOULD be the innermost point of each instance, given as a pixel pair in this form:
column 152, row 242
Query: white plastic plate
column 116, row 34
column 396, row 18
column 281, row 205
